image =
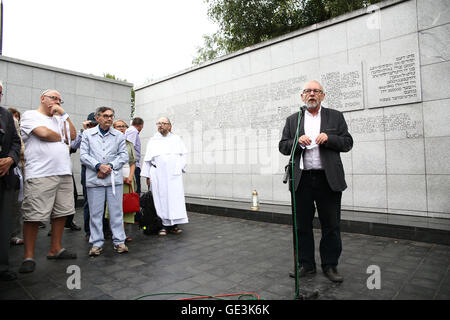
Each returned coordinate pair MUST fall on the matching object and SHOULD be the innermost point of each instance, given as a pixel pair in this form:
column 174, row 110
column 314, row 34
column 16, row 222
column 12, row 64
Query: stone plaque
column 343, row 88
column 394, row 80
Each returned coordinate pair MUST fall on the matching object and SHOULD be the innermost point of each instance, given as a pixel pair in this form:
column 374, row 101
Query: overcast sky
column 136, row 40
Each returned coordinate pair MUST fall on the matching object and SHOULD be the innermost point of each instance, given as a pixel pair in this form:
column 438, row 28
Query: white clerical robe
column 164, row 163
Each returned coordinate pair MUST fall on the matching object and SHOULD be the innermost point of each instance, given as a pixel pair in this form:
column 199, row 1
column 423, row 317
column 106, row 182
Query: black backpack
column 147, row 217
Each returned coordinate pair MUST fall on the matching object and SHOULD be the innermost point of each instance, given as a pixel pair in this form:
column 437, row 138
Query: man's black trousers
column 314, row 191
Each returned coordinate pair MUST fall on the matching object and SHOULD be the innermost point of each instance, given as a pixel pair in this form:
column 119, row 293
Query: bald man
column 164, row 164
column 320, row 135
column 48, row 189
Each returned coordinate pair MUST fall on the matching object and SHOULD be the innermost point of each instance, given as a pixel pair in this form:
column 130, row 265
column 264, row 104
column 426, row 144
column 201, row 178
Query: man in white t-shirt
column 48, row 189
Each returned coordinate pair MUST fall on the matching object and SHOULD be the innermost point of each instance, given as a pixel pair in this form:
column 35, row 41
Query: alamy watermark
column 374, row 280
column 74, row 280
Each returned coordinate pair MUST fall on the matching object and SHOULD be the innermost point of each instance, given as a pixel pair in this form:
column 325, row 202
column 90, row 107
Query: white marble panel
column 368, row 52
column 366, row 125
column 436, row 118
column 369, row 191
column 360, row 32
column 398, row 20
column 437, row 155
column 438, row 186
column 242, row 186
column 280, row 190
column 369, row 157
column 347, row 194
column 431, row 14
column 333, row 39
column 192, row 184
column 103, row 90
column 19, row 96
column 263, row 185
column 281, row 54
column 20, row 75
column 224, row 185
column 405, row 156
column 435, row 45
column 208, row 185
column 305, row 47
column 407, row 192
column 435, row 83
column 3, row 71
column 43, row 79
column 84, row 105
column 333, row 61
column 347, row 162
column 240, row 67
column 260, row 60
column 121, row 93
column 85, row 87
column 65, row 83
column 400, row 45
column 405, row 121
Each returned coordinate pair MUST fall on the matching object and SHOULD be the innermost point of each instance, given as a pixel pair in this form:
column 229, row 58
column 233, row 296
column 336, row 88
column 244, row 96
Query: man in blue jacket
column 103, row 151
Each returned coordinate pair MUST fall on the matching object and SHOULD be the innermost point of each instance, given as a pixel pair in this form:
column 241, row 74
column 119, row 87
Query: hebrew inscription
column 393, row 81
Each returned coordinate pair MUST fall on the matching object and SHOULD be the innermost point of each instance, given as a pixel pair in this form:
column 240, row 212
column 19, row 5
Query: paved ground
column 221, row 255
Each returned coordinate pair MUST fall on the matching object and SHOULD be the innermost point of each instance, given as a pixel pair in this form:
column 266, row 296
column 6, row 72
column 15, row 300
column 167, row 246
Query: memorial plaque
column 343, row 88
column 393, row 80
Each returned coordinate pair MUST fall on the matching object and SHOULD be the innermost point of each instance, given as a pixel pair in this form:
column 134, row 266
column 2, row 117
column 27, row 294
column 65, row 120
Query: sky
column 135, row 40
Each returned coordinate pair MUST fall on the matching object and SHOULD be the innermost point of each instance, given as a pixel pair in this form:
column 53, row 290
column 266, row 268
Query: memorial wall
column 23, row 83
column 386, row 68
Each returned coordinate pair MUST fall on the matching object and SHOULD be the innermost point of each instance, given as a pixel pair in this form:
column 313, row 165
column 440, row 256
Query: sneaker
column 121, row 248
column 95, row 251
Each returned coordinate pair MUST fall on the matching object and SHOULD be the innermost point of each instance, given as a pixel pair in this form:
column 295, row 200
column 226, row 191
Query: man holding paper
column 103, row 151
column 318, row 178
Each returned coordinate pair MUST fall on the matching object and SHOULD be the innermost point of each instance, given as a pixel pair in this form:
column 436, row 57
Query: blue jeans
column 96, row 198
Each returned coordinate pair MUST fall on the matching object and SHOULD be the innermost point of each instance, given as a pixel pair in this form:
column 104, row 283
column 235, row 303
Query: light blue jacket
column 96, row 148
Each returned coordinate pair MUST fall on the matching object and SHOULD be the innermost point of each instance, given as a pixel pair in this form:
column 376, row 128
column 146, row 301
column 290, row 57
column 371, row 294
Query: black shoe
column 333, row 275
column 72, row 226
column 302, row 272
column 27, row 266
column 8, row 276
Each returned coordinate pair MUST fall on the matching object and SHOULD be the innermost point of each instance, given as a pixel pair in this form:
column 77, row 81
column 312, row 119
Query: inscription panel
column 394, row 80
column 343, row 88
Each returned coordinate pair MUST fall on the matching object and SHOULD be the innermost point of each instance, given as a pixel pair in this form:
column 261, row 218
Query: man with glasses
column 9, row 158
column 103, row 151
column 164, row 163
column 318, row 178
column 47, row 133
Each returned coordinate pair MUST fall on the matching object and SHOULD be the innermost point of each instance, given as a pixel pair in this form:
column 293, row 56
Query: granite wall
column 387, row 68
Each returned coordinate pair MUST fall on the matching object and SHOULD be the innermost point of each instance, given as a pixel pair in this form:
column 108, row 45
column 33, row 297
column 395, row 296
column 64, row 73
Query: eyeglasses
column 56, row 99
column 308, row 91
column 121, row 126
column 107, row 116
column 162, row 123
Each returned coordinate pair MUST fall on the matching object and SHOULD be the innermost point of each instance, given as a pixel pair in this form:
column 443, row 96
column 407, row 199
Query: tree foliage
column 244, row 23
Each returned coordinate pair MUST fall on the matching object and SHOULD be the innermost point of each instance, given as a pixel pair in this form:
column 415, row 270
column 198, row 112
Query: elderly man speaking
column 104, row 152
column 164, row 163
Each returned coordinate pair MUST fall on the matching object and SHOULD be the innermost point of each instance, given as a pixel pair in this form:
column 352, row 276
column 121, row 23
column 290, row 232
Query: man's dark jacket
column 339, row 140
column 10, row 147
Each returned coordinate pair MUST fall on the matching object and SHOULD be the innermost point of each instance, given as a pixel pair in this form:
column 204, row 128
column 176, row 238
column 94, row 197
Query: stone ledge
column 423, row 229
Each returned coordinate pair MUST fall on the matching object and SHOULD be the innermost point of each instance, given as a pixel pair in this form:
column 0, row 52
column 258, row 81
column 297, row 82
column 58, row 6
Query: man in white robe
column 164, row 163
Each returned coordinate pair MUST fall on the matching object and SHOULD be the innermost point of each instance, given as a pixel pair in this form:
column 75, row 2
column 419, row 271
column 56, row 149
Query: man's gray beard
column 312, row 105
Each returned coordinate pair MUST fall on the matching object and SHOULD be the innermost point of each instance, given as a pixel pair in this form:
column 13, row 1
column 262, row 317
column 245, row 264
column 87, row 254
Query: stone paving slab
column 218, row 255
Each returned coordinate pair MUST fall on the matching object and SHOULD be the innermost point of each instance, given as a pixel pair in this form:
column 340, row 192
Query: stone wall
column 23, row 83
column 386, row 67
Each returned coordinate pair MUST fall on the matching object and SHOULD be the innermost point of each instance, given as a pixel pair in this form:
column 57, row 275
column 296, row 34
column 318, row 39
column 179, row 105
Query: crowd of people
column 36, row 178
